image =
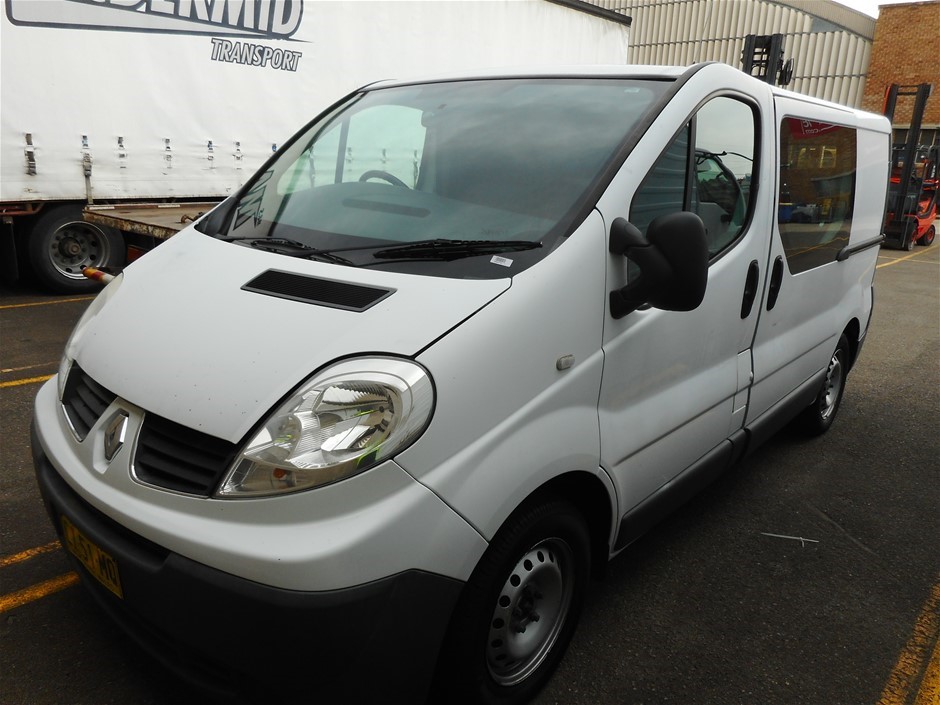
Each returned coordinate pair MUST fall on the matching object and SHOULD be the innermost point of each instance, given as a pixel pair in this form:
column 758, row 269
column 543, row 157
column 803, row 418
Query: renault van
column 364, row 432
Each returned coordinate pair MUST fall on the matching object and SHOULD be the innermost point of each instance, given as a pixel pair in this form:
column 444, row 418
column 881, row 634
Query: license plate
column 101, row 565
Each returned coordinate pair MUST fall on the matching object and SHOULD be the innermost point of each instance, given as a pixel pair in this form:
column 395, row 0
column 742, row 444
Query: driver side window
column 707, row 169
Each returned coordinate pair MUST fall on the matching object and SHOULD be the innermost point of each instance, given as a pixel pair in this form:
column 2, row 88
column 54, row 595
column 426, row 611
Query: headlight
column 342, row 421
column 94, row 308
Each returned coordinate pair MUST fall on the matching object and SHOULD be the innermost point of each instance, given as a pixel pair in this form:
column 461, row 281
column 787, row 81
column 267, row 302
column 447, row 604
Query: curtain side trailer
column 111, row 105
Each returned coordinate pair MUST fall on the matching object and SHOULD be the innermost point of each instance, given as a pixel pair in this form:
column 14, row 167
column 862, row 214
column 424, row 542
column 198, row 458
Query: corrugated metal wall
column 831, row 60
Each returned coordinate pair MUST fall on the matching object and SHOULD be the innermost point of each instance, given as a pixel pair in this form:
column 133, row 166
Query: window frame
column 797, row 265
column 690, row 124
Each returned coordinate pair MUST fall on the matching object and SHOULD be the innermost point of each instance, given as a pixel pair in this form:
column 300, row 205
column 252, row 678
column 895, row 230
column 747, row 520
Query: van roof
column 573, row 71
column 638, row 71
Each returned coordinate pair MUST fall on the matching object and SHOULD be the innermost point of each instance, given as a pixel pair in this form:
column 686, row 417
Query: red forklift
column 912, row 204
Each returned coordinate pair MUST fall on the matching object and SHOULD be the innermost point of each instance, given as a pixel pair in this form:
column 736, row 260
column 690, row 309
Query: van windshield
column 457, row 179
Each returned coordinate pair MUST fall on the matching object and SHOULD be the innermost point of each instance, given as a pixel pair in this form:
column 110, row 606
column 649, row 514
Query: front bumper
column 235, row 638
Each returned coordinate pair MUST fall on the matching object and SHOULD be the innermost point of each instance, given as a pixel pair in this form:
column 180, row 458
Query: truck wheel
column 818, row 417
column 928, row 237
column 519, row 609
column 61, row 245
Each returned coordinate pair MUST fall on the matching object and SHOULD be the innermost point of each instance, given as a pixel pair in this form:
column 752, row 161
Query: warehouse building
column 837, row 53
column 906, row 51
column 830, row 44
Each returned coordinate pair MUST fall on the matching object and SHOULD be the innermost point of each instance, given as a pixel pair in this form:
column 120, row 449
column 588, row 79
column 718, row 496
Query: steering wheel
column 384, row 175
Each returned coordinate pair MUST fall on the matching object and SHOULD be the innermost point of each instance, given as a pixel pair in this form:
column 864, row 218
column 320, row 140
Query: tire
column 928, row 237
column 819, row 416
column 911, row 240
column 61, row 245
column 519, row 609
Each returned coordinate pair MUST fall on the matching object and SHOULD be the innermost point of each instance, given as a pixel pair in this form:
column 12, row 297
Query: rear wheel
column 818, row 417
column 61, row 245
column 519, row 609
column 928, row 237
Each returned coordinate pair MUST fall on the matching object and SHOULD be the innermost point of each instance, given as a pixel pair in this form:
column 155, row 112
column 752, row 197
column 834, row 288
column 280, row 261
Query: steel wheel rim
column 833, row 388
column 530, row 612
column 77, row 245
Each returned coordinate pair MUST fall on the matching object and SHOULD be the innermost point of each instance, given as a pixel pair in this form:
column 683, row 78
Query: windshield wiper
column 446, row 250
column 438, row 249
column 291, row 248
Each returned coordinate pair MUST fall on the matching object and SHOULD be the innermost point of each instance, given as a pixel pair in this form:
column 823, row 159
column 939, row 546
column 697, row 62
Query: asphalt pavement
column 807, row 575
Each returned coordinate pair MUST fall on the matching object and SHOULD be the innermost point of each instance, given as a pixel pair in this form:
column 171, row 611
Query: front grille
column 84, row 401
column 178, row 458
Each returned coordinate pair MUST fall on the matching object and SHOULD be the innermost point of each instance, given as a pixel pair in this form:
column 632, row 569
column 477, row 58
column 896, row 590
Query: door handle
column 776, row 281
column 750, row 289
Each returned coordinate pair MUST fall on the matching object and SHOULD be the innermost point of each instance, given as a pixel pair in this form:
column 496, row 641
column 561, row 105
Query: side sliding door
column 804, row 303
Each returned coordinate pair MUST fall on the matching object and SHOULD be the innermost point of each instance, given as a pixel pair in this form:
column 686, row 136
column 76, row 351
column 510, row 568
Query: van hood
column 183, row 338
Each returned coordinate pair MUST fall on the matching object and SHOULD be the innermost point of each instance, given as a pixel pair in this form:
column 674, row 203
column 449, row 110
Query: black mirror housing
column 673, row 262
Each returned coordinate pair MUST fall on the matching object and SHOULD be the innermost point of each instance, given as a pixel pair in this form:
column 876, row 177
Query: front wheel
column 61, row 245
column 818, row 417
column 519, row 609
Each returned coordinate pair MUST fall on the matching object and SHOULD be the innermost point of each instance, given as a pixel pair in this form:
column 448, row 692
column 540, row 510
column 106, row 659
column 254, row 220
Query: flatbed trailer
column 159, row 221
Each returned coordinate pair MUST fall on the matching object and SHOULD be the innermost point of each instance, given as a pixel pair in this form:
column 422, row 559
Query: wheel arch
column 462, row 673
column 588, row 493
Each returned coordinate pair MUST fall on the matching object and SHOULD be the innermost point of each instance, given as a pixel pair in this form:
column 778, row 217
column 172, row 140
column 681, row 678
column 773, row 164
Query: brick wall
column 906, row 50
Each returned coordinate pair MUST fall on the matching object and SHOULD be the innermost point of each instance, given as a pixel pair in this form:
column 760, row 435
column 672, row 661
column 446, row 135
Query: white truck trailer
column 109, row 104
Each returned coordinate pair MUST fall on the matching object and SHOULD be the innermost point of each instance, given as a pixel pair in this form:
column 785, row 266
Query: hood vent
column 313, row 290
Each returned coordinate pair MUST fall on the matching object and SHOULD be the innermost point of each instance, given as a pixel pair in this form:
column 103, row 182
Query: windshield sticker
column 501, row 261
column 249, row 208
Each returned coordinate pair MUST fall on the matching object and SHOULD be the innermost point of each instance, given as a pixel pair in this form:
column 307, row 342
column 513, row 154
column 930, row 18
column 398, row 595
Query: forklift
column 912, row 193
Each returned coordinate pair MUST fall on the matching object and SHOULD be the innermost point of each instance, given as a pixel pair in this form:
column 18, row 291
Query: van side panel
column 510, row 415
column 815, row 295
column 675, row 383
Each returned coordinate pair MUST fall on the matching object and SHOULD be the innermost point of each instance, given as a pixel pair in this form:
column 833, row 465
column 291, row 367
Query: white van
column 363, row 432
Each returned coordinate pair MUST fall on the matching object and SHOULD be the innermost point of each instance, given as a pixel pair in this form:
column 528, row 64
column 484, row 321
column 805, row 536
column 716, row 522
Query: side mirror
column 673, row 262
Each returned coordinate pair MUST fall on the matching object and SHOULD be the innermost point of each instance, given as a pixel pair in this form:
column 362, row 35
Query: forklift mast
column 762, row 57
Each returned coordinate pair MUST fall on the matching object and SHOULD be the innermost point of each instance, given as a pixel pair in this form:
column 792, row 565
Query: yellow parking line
column 47, row 303
column 917, row 672
column 929, row 693
column 30, row 553
column 21, row 382
column 902, row 259
column 7, row 370
column 34, row 592
column 31, row 594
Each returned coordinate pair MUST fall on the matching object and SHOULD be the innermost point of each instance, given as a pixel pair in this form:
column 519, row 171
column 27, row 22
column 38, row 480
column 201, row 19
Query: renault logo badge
column 114, row 435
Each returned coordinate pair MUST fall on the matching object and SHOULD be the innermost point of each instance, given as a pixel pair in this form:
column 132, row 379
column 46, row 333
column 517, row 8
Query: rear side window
column 817, row 191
